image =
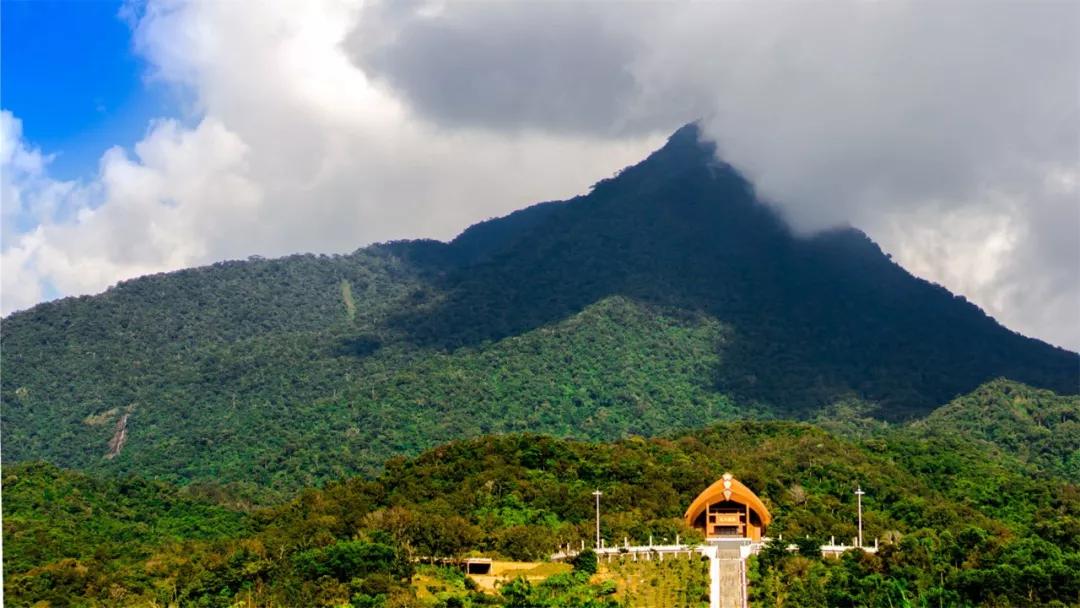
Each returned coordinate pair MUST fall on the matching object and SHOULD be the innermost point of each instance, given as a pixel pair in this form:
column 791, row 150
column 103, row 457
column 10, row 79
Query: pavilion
column 728, row 509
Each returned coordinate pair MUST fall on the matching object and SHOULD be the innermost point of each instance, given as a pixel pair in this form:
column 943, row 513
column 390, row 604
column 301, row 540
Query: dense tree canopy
column 1037, row 426
column 959, row 521
column 669, row 297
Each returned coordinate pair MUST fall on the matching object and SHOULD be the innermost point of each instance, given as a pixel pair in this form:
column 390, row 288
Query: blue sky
column 70, row 75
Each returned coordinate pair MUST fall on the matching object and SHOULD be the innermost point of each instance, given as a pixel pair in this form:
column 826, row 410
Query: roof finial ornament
column 727, row 485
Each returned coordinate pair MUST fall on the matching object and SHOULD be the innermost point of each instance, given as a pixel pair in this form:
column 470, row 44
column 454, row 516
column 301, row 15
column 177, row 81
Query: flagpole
column 597, row 494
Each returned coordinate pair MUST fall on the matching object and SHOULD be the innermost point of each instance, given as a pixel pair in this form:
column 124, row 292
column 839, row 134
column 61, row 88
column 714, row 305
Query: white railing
column 834, row 550
column 746, row 547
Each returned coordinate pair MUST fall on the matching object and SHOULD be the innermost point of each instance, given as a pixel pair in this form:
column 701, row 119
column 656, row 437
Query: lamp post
column 859, row 494
column 597, row 494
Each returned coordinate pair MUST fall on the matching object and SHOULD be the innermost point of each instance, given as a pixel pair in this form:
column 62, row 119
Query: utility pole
column 859, row 494
column 597, row 494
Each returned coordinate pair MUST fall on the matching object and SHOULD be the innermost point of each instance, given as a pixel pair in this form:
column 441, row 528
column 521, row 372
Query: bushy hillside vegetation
column 68, row 538
column 963, row 525
column 666, row 298
column 1038, row 426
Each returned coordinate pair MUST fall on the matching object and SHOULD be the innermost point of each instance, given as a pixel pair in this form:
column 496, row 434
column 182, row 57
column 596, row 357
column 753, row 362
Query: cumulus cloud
column 285, row 147
column 138, row 215
column 947, row 131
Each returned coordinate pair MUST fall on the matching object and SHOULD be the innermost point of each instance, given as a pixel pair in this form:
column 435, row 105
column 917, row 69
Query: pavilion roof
column 728, row 488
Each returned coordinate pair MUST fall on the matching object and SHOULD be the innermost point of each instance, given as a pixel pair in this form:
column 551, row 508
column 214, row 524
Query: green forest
column 964, row 518
column 668, row 298
column 341, row 430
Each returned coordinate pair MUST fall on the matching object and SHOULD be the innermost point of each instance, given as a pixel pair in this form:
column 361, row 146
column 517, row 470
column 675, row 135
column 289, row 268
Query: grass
column 673, row 583
column 433, row 582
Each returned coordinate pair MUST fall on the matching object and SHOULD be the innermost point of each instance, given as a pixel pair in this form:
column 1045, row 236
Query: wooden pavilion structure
column 728, row 509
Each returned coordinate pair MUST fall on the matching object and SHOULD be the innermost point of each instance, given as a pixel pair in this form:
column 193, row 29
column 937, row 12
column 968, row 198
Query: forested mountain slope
column 1037, row 426
column 667, row 297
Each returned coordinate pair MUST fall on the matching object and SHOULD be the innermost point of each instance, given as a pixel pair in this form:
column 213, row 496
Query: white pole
column 597, row 494
column 859, row 494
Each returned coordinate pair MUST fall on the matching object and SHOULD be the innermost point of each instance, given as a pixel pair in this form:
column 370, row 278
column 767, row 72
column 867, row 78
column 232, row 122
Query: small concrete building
column 477, row 565
column 728, row 509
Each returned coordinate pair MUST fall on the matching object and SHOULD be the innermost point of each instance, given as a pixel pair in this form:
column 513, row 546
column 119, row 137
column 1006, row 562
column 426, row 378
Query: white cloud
column 291, row 150
column 160, row 210
column 947, row 131
column 29, row 196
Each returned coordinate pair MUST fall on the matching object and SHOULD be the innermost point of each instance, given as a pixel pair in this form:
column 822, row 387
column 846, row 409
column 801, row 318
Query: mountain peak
column 690, row 134
column 688, row 145
column 687, row 152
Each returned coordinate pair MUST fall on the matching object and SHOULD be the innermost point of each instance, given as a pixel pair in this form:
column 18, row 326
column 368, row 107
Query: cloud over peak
column 949, row 132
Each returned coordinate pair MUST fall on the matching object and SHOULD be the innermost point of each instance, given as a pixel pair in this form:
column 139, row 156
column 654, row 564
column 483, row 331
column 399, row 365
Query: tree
column 585, row 562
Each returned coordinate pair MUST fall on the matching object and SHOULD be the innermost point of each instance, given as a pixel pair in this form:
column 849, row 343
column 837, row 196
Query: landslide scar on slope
column 119, row 437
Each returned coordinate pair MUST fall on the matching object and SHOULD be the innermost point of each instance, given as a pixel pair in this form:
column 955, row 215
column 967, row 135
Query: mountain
column 959, row 525
column 668, row 297
column 1038, row 427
